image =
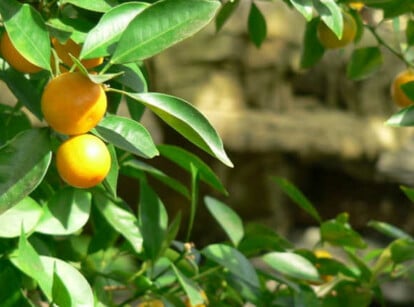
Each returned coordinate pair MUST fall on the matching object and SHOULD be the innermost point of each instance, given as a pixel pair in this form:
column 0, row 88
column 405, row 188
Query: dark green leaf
column 184, row 159
column 162, row 25
column 364, row 62
column 12, row 122
column 23, row 165
column 66, row 212
column 128, row 135
column 195, row 188
column 402, row 118
column 306, row 297
column 292, row 265
column 296, row 195
column 409, row 32
column 153, row 221
column 93, row 5
column 109, row 29
column 312, row 49
column 228, row 219
column 120, row 218
column 389, row 230
column 409, row 192
column 27, row 32
column 340, row 233
column 256, row 25
column 234, row 261
column 225, row 12
column 60, row 293
column 408, row 89
column 25, row 214
column 187, row 120
column 132, row 78
column 11, row 294
column 365, row 273
column 402, row 250
column 305, row 7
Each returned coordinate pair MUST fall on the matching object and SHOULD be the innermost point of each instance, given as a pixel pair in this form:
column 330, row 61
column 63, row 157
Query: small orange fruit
column 83, row 161
column 397, row 94
column 73, row 104
column 321, row 253
column 70, row 47
column 14, row 57
column 328, row 38
column 357, row 6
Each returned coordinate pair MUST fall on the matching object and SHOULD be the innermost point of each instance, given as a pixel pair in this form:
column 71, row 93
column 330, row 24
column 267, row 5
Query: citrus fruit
column 328, row 38
column 64, row 50
column 397, row 94
column 73, row 104
column 14, row 57
column 151, row 303
column 323, row 254
column 83, row 161
column 357, row 6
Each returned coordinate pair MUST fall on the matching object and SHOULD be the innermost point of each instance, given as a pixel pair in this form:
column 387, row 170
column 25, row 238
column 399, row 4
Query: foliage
column 66, row 246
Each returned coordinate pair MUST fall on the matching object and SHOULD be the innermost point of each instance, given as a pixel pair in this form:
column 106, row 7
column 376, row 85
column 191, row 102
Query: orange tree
column 68, row 239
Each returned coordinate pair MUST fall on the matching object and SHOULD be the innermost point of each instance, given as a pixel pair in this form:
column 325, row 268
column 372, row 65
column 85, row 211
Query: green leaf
column 120, row 218
column 66, row 212
column 234, row 261
column 184, row 159
column 153, row 221
column 331, row 15
column 60, row 293
column 408, row 89
column 402, row 118
column 10, row 285
column 23, row 165
column 109, row 29
column 292, row 265
column 71, row 279
column 136, row 169
column 195, row 188
column 389, row 230
column 25, row 92
column 27, row 260
column 409, row 32
column 27, row 31
column 305, row 7
column 296, row 195
column 190, row 288
column 132, row 78
column 364, row 62
column 25, row 214
column 365, row 273
column 162, row 25
column 338, row 232
column 187, row 120
column 256, row 25
column 228, row 219
column 128, row 135
column 12, row 122
column 402, row 250
column 312, row 49
column 409, row 192
column 225, row 12
column 93, row 5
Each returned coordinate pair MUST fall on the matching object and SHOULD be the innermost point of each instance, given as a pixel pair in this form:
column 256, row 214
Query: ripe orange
column 397, row 94
column 14, row 57
column 356, row 5
column 83, row 161
column 328, row 38
column 151, row 303
column 70, row 47
column 73, row 104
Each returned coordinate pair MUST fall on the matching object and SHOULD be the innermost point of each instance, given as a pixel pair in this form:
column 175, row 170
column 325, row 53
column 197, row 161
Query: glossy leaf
column 120, row 218
column 187, row 120
column 389, row 230
column 132, row 78
column 12, row 122
column 402, row 118
column 305, row 7
column 109, row 29
column 71, row 279
column 225, row 12
column 25, row 214
column 256, row 25
column 60, row 293
column 136, row 169
column 402, row 250
column 364, row 62
column 162, row 25
column 228, row 219
column 23, row 166
column 184, row 159
column 66, row 212
column 297, row 196
column 331, row 15
column 292, row 265
column 312, row 49
column 190, row 288
column 93, row 5
column 27, row 31
column 153, row 221
column 234, row 261
column 128, row 135
column 24, row 91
